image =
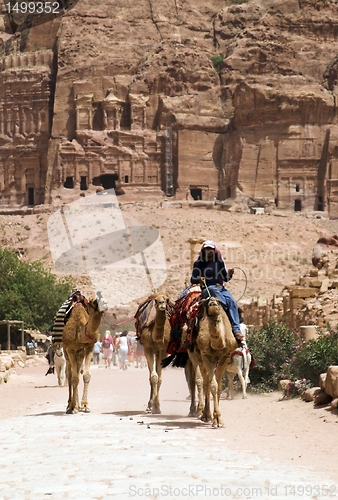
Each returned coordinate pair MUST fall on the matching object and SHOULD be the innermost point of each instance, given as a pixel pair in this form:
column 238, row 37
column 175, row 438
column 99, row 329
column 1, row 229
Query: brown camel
column 155, row 338
column 211, row 348
column 79, row 336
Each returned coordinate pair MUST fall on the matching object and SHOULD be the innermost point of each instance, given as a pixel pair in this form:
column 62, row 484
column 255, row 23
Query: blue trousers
column 228, row 302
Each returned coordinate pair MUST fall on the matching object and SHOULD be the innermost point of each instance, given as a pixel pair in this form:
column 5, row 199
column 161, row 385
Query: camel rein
column 86, row 334
column 246, row 285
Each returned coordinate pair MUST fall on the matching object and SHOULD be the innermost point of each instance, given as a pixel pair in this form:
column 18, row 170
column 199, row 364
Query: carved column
column 112, row 107
column 84, row 111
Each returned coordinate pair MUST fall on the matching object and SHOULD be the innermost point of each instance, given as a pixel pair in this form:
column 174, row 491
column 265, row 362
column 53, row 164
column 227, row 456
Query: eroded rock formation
column 220, row 99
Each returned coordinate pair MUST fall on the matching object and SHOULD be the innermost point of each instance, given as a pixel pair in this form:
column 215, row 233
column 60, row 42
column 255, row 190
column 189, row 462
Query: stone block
column 257, row 210
column 309, row 394
column 315, row 283
column 313, row 273
column 282, row 385
column 171, row 204
column 6, row 362
column 324, row 286
column 296, row 303
column 331, row 381
column 322, row 378
column 309, row 332
column 303, row 292
column 321, row 398
column 334, row 404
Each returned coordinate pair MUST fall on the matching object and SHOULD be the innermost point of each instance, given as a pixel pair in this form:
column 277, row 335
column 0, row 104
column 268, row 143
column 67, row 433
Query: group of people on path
column 118, row 349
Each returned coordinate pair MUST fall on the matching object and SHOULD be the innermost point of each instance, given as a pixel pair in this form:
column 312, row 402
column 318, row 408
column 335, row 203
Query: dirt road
column 267, row 447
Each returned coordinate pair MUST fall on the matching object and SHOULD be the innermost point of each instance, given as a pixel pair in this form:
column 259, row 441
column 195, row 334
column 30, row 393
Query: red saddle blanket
column 184, row 312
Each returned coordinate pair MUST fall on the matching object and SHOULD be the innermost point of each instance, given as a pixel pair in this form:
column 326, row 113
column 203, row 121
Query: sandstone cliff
column 221, row 99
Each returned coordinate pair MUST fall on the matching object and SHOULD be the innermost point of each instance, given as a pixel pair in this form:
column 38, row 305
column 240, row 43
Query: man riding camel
column 210, row 273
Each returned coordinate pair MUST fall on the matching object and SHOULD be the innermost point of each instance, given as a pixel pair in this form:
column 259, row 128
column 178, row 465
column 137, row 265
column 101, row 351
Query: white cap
column 208, row 244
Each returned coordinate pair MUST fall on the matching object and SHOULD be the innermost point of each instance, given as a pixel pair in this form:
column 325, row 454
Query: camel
column 211, row 348
column 78, row 338
column 60, row 364
column 238, row 363
column 155, row 338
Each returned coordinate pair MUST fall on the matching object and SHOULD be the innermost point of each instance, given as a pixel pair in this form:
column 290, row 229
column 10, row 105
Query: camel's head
column 213, row 306
column 99, row 304
column 58, row 349
column 161, row 301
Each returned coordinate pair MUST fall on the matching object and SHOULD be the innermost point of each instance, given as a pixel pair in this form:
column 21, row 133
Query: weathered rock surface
column 325, row 253
column 248, row 90
column 331, row 381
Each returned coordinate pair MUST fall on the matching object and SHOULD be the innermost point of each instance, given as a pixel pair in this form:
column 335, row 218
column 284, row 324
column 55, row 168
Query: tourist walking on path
column 123, row 348
column 107, row 348
column 97, row 352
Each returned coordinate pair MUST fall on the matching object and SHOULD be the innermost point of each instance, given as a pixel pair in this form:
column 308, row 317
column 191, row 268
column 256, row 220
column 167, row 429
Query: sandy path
column 264, row 444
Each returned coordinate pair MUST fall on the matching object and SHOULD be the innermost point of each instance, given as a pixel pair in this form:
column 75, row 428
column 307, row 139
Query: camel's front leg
column 63, row 373
column 156, row 408
column 190, row 377
column 199, row 384
column 59, row 375
column 230, row 390
column 195, row 380
column 73, row 383
column 216, row 420
column 69, row 381
column 86, row 379
column 153, row 379
column 206, row 415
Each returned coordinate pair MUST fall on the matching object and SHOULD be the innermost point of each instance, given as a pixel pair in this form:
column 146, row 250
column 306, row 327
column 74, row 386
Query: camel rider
column 210, row 272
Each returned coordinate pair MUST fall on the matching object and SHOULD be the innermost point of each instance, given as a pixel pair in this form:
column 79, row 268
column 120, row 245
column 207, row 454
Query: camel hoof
column 156, row 411
column 85, row 409
column 148, row 410
column 71, row 411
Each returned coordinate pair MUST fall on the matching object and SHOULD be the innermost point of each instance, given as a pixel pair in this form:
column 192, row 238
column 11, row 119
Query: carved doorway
column 30, row 196
column 298, row 205
column 106, row 180
column 196, row 193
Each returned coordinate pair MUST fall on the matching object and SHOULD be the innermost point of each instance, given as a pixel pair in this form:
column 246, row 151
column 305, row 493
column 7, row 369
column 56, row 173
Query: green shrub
column 281, row 353
column 273, row 347
column 217, row 61
column 29, row 292
column 315, row 356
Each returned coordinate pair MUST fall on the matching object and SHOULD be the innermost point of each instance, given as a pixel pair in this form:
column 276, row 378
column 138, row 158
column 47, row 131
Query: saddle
column 185, row 312
column 146, row 312
column 63, row 315
column 76, row 299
